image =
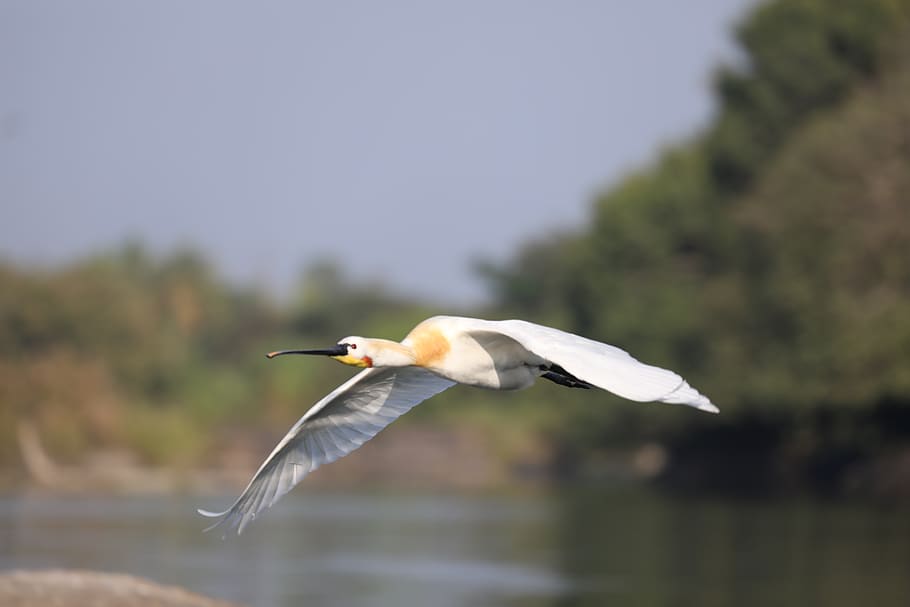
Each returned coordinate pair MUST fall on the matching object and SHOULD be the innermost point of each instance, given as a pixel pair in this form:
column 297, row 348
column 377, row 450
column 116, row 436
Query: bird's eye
column 352, row 346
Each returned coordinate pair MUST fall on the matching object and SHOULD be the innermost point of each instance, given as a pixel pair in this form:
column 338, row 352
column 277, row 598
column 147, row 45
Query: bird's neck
column 387, row 353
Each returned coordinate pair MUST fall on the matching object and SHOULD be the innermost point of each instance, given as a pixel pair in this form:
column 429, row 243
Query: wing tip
column 707, row 406
column 228, row 516
column 684, row 394
column 700, row 402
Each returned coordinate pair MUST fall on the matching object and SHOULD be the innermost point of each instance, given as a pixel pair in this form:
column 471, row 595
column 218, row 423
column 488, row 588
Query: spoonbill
column 438, row 353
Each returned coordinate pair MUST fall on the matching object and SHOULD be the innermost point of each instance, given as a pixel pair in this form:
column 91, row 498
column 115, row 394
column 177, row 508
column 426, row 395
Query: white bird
column 438, row 353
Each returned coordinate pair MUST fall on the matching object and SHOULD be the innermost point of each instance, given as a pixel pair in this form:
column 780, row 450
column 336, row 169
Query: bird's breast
column 468, row 360
column 430, row 346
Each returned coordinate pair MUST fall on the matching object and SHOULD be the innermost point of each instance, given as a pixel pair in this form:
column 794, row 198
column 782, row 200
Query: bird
column 437, row 354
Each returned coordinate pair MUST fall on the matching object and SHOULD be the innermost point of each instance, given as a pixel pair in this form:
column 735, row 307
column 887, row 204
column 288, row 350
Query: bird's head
column 362, row 352
column 353, row 350
column 358, row 351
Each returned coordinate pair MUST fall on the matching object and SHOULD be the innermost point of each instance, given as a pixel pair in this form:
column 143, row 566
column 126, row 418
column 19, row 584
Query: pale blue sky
column 404, row 138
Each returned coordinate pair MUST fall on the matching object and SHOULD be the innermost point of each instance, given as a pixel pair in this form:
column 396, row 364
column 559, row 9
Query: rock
column 75, row 588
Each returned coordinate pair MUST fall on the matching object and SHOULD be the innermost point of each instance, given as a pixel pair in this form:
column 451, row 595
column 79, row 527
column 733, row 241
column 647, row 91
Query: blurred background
column 721, row 189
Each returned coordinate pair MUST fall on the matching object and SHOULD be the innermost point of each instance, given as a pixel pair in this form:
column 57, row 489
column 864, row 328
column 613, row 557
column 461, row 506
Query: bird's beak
column 339, row 350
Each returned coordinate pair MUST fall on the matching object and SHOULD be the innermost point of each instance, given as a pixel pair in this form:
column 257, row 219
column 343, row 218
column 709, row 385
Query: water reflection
column 681, row 551
column 567, row 547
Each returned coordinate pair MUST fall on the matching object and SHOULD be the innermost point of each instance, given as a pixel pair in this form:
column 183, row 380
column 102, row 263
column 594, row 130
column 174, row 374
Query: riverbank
column 749, row 458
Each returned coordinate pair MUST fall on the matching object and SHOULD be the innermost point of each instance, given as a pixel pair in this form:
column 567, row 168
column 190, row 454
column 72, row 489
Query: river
column 559, row 547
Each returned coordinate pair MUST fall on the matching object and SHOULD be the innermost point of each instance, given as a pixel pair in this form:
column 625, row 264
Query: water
column 567, row 547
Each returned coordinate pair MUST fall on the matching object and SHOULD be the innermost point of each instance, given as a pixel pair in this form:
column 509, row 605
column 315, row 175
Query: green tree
column 767, row 258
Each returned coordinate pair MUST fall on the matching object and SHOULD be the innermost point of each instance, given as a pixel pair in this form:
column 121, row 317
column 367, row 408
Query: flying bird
column 438, row 353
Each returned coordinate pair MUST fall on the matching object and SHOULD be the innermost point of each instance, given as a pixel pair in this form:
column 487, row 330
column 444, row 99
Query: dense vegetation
column 158, row 354
column 768, row 259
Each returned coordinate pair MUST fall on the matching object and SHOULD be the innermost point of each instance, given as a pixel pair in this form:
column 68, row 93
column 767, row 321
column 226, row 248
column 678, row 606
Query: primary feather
column 349, row 416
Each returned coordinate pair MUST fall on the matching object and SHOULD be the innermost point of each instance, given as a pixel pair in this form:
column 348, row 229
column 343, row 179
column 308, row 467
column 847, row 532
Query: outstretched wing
column 349, row 416
column 603, row 365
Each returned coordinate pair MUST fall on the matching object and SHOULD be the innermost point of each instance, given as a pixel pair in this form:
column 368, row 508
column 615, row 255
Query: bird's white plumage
column 349, row 416
column 603, row 365
column 439, row 352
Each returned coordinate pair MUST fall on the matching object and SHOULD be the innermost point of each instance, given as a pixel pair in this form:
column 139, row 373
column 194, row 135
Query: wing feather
column 601, row 364
column 338, row 424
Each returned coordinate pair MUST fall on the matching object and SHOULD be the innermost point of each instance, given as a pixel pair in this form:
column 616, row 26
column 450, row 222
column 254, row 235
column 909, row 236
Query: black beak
column 339, row 350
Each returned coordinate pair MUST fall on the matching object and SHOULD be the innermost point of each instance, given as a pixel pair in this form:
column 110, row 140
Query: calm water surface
column 567, row 547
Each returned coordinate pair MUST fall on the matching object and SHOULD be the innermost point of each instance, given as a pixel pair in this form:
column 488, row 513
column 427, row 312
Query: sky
column 403, row 139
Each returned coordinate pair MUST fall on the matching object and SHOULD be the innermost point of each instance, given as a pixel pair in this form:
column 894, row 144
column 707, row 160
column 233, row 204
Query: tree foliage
column 768, row 258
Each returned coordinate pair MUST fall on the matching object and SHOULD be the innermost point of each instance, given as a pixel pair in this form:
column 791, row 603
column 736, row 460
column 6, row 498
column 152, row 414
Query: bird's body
column 466, row 352
column 438, row 353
